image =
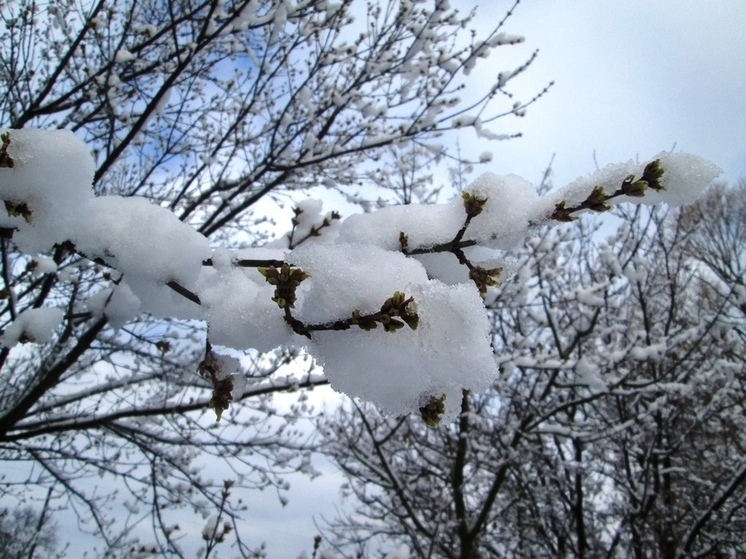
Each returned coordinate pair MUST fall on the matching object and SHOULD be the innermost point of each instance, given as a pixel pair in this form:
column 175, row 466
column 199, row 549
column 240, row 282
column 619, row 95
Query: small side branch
column 597, row 200
column 482, row 277
column 250, row 263
column 184, row 292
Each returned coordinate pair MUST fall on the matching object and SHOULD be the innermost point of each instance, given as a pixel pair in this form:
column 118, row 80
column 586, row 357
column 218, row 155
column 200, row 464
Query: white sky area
column 632, row 79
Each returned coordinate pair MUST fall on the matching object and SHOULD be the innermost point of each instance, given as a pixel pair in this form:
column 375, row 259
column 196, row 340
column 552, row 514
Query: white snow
column 123, row 55
column 43, row 265
column 355, row 265
column 449, row 351
column 141, row 240
column 348, row 277
column 240, row 312
column 511, row 204
column 211, row 527
column 590, row 296
column 118, row 304
column 685, row 178
column 425, row 226
column 401, row 553
column 32, row 325
column 588, row 375
column 52, row 176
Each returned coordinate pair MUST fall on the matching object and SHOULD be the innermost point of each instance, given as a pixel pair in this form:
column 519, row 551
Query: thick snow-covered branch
column 420, row 265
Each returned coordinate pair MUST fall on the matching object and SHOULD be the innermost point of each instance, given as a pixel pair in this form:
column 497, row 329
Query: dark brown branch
column 466, row 538
column 49, row 379
column 174, row 409
column 250, row 263
column 735, row 483
column 184, row 292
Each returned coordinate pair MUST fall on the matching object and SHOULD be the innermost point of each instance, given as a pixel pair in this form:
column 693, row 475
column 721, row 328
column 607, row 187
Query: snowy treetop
column 389, row 302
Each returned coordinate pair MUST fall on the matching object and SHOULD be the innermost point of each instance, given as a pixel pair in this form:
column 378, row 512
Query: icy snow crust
column 355, row 266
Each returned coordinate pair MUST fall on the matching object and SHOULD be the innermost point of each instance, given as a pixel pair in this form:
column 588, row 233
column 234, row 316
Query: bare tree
column 212, row 109
column 23, row 533
column 616, row 428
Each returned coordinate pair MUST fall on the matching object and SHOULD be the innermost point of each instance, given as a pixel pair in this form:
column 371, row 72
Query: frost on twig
column 332, row 280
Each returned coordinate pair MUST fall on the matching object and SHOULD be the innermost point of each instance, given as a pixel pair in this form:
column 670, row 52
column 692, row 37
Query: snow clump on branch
column 376, row 300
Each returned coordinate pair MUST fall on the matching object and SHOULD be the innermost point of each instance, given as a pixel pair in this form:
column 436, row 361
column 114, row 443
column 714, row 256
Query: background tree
column 616, row 426
column 212, row 109
column 23, row 533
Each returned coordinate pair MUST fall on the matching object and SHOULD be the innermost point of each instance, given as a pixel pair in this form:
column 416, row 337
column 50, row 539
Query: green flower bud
column 392, row 325
column 652, row 175
column 6, row 161
column 596, row 201
column 561, row 213
column 473, row 204
column 403, row 240
column 635, row 189
column 484, row 278
column 366, row 323
column 286, row 280
column 432, row 412
column 18, row 209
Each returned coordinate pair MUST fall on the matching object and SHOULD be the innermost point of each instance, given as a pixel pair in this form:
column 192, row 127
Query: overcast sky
column 632, row 78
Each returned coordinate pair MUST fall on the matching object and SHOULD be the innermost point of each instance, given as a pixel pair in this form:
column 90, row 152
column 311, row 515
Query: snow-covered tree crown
column 389, row 302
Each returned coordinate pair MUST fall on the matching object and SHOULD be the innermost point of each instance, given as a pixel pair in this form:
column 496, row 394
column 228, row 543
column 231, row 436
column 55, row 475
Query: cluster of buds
column 563, row 213
column 598, row 198
column 14, row 209
column 596, row 201
column 401, row 306
column 222, row 385
column 403, row 241
column 286, row 280
column 212, row 531
column 473, row 204
column 397, row 311
column 18, row 209
column 433, row 411
column 651, row 177
column 484, row 278
column 5, row 160
column 316, row 229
